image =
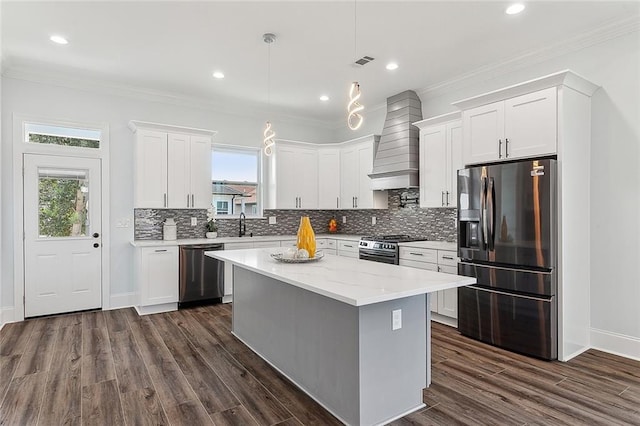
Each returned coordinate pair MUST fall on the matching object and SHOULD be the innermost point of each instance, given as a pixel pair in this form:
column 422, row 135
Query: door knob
column 96, row 235
column 96, row 245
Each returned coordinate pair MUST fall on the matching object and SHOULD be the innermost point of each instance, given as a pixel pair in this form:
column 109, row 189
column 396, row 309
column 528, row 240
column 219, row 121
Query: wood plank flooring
column 185, row 368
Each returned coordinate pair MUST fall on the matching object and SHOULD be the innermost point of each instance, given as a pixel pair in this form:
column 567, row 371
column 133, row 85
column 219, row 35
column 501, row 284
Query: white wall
column 615, row 166
column 47, row 100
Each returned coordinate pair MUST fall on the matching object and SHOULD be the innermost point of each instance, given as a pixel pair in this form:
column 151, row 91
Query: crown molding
column 106, row 87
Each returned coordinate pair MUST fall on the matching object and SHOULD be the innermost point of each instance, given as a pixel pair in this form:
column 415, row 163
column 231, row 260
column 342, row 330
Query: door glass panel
column 63, row 203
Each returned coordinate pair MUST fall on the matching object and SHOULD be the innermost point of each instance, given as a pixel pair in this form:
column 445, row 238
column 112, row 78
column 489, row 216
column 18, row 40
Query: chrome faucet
column 243, row 225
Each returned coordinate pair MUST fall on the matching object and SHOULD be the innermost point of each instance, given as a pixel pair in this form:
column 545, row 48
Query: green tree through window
column 63, row 207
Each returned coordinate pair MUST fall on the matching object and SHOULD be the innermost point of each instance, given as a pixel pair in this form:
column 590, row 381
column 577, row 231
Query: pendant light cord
column 355, row 30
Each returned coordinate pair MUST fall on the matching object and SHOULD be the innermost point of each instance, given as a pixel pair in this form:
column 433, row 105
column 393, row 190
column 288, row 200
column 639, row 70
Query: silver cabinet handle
column 193, row 204
column 187, row 200
column 356, row 202
column 499, row 148
column 300, row 202
column 439, row 269
column 447, row 192
column 158, row 251
column 506, row 147
column 442, row 198
column 347, row 245
column 165, row 199
column 416, row 254
column 447, row 257
column 337, row 202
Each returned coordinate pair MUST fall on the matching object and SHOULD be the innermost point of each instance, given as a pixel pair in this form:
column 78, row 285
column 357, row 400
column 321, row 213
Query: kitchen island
column 353, row 334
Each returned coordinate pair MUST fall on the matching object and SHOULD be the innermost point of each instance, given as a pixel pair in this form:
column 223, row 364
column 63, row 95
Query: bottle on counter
column 169, row 229
column 306, row 237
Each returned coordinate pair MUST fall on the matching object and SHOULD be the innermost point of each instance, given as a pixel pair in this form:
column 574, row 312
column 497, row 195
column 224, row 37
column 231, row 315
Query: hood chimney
column 396, row 161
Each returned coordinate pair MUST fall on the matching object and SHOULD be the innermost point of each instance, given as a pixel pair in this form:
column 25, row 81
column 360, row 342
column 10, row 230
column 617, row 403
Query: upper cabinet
column 519, row 127
column 329, row 178
column 172, row 166
column 356, row 163
column 440, row 159
column 296, row 170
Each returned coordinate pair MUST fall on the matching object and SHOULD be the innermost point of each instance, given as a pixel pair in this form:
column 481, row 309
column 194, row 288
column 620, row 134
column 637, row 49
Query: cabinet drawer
column 419, row 265
column 326, row 243
column 419, row 254
column 351, row 246
column 449, row 258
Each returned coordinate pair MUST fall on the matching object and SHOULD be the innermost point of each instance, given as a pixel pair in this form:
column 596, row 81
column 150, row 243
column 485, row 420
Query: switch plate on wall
column 396, row 319
column 373, row 220
column 272, row 220
column 194, row 221
column 344, row 219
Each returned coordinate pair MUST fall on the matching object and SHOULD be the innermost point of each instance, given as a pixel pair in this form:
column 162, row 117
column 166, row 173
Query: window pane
column 234, row 166
column 64, row 136
column 235, row 181
column 63, row 203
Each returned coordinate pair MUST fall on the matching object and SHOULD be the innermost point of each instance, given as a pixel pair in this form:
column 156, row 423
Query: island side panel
column 310, row 338
column 393, row 368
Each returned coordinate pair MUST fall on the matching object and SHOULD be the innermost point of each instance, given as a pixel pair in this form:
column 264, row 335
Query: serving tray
column 280, row 258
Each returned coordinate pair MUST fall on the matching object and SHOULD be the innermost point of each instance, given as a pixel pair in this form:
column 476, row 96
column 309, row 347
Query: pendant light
column 268, row 133
column 354, row 118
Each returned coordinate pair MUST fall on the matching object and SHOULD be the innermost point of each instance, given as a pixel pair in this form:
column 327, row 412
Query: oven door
column 377, row 256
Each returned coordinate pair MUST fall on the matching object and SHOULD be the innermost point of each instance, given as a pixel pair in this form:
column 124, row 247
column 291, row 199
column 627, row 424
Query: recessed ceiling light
column 58, row 39
column 324, row 98
column 218, row 74
column 514, row 9
column 392, row 66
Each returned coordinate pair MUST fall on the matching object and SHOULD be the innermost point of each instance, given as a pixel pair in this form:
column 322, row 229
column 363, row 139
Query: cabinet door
column 200, row 172
column 454, row 162
column 328, row 178
column 286, row 178
column 428, row 267
column 483, row 139
column 433, row 166
column 349, row 181
column 306, row 178
column 531, row 124
column 151, row 169
column 364, row 194
column 178, row 171
column 159, row 276
column 448, row 299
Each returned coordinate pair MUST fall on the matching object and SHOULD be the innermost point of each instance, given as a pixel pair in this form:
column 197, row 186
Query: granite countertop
column 160, row 243
column 352, row 281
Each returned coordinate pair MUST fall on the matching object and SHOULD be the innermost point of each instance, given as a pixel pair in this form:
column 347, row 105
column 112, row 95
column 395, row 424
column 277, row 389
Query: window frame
column 259, row 175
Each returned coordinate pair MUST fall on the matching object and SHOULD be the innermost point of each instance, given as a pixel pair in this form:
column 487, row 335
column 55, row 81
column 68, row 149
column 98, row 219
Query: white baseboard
column 614, row 343
column 123, row 300
column 6, row 315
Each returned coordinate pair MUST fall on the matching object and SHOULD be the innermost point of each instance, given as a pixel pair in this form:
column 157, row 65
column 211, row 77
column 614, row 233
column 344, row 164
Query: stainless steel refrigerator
column 508, row 241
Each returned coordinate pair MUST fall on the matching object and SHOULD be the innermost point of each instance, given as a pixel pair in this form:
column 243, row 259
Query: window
column 62, row 136
column 222, row 207
column 235, row 173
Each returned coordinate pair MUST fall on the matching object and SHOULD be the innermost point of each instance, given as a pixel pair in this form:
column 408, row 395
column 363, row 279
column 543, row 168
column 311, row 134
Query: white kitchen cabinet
column 296, row 169
column 440, row 159
column 172, row 166
column 328, row 178
column 327, row 245
column 347, row 248
column 356, row 163
column 444, row 304
column 518, row 127
column 157, row 279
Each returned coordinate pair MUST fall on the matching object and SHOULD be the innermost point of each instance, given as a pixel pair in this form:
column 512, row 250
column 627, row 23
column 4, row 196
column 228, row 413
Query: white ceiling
column 174, row 47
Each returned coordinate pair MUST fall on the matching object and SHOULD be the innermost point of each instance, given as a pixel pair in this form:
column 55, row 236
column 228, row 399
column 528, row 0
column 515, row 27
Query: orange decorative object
column 306, row 237
column 333, row 225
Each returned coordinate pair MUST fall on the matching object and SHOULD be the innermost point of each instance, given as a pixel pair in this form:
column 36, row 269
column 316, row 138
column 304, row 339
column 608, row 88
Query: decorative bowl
column 281, row 258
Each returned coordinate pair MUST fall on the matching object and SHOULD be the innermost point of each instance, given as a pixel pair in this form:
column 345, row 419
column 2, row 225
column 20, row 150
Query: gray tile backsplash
column 430, row 224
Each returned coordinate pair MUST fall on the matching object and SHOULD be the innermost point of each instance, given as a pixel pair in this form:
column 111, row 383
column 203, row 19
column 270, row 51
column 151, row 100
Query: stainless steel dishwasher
column 201, row 277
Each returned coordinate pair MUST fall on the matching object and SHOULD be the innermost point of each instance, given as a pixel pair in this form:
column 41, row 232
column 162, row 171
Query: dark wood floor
column 185, row 367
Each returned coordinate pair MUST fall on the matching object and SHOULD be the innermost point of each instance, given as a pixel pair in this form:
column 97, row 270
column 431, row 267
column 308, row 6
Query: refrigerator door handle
column 483, row 213
column 491, row 197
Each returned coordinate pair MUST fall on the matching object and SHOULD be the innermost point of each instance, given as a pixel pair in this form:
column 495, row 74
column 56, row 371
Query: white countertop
column 245, row 239
column 434, row 245
column 352, row 281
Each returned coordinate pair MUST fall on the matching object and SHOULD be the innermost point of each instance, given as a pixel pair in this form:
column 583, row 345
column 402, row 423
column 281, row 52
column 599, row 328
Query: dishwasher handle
column 205, row 247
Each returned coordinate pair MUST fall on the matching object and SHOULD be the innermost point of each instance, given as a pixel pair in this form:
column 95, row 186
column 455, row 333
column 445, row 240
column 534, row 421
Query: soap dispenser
column 169, row 229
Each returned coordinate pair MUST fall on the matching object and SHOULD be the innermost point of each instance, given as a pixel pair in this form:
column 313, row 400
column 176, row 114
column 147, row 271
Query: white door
column 200, row 154
column 364, row 195
column 286, row 178
column 349, row 179
column 307, row 178
column 151, row 170
column 178, row 161
column 329, row 178
column 454, row 161
column 433, row 166
column 484, row 133
column 62, row 241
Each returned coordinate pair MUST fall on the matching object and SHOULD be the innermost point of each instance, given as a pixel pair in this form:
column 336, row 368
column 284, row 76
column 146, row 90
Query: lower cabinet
column 156, row 271
column 444, row 304
column 348, row 248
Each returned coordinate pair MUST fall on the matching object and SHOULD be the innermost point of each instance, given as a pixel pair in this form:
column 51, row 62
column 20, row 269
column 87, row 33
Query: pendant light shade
column 268, row 133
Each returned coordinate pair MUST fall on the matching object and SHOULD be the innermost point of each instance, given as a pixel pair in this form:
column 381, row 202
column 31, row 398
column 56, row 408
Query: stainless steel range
column 382, row 248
